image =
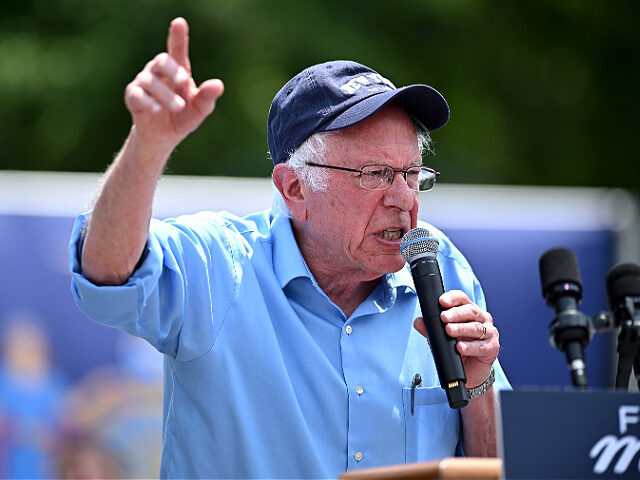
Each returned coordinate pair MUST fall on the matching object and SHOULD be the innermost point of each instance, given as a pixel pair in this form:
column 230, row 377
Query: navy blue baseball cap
column 334, row 95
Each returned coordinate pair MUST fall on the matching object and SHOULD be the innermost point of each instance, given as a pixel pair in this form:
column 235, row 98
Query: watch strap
column 482, row 388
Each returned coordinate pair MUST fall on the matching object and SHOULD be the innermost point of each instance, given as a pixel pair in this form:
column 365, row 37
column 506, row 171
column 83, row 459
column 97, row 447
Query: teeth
column 391, row 233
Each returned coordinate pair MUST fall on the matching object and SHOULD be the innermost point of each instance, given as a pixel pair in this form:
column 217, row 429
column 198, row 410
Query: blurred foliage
column 541, row 92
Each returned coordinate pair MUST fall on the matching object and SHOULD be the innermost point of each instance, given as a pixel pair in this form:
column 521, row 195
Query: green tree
column 540, row 92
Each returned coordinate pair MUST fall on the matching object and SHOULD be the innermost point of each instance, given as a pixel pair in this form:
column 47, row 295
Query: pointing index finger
column 178, row 42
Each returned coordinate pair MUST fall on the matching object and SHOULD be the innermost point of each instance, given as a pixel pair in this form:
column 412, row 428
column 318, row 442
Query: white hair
column 313, row 149
column 425, row 144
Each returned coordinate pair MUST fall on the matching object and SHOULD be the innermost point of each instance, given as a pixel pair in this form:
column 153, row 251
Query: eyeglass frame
column 395, row 170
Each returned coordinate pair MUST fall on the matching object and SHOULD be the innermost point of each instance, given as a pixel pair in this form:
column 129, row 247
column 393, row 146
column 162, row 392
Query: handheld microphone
column 623, row 290
column 420, row 250
column 570, row 330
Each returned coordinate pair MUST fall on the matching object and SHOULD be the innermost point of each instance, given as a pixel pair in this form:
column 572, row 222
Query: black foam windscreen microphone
column 420, row 251
column 623, row 290
column 559, row 272
column 623, row 281
column 570, row 330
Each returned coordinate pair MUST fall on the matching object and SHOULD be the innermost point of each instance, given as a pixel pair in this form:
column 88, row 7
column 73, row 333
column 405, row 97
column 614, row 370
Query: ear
column 291, row 189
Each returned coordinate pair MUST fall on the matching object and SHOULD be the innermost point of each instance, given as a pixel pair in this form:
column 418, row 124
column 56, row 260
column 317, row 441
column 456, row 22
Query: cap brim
column 423, row 102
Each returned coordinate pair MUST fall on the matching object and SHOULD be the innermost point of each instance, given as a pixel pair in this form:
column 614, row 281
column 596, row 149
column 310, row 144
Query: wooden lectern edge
column 470, row 468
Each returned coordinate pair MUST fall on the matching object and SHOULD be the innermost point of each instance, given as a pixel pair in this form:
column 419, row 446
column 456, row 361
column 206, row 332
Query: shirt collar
column 395, row 284
column 288, row 263
column 400, row 280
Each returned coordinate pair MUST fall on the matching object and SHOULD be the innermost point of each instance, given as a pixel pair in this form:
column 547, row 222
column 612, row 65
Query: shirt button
column 357, row 456
column 348, row 329
column 359, row 390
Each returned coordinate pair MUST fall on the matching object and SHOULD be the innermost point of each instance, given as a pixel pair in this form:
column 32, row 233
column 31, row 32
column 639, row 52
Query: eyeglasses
column 379, row 177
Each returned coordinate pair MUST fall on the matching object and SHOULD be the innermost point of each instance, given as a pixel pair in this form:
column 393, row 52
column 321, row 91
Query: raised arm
column 165, row 105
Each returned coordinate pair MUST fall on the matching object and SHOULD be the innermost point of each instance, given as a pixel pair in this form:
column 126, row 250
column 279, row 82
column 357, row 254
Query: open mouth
column 391, row 234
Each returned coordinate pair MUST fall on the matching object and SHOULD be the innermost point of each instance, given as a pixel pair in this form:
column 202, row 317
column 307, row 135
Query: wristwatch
column 482, row 388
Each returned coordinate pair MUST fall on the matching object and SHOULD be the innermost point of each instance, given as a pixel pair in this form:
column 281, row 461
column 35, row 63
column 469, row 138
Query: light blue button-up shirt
column 264, row 376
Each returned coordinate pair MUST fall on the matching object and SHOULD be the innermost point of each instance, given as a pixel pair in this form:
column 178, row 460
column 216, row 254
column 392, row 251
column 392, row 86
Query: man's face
column 353, row 231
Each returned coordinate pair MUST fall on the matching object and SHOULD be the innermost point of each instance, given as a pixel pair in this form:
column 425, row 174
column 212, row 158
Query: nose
column 399, row 194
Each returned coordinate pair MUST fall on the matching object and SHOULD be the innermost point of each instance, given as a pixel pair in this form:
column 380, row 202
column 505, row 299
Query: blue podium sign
column 570, row 434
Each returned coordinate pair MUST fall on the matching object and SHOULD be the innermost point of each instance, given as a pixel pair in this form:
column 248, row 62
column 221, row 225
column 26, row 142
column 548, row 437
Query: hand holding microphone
column 463, row 340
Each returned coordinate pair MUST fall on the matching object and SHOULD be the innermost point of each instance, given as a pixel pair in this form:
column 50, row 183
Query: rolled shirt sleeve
column 171, row 287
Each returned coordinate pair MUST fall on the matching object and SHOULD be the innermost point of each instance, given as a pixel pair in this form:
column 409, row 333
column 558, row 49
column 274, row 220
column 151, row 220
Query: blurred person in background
column 113, row 417
column 31, row 394
column 288, row 336
column 81, row 456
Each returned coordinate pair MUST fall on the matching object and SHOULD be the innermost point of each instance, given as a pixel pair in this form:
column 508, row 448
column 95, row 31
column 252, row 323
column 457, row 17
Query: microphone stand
column 570, row 332
column 628, row 345
column 572, row 328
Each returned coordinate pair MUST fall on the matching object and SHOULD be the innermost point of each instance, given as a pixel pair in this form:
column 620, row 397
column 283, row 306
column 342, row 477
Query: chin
column 392, row 265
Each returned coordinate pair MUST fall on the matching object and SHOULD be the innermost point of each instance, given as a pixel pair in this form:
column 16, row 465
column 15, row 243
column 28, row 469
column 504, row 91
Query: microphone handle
column 448, row 361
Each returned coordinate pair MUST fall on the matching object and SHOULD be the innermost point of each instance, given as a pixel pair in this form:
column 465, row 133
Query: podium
column 568, row 434
column 458, row 468
column 544, row 434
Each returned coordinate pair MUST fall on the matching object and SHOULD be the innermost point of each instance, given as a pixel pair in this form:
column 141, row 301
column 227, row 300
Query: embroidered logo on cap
column 372, row 81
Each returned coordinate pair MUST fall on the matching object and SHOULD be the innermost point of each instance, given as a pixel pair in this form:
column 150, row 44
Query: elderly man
column 288, row 337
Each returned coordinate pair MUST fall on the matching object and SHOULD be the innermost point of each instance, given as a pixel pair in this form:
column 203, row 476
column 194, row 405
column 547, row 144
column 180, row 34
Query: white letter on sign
column 627, row 414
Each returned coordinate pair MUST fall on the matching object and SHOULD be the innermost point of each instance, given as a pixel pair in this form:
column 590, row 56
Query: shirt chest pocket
column 433, row 430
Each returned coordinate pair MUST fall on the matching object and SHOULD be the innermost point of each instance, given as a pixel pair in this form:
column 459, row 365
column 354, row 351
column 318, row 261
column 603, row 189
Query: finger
column 159, row 90
column 454, row 298
column 208, row 94
column 466, row 313
column 420, row 326
column 178, row 42
column 137, row 100
column 483, row 350
column 471, row 330
column 165, row 66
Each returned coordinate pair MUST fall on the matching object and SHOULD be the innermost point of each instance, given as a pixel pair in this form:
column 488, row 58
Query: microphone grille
column 559, row 265
column 623, row 281
column 416, row 243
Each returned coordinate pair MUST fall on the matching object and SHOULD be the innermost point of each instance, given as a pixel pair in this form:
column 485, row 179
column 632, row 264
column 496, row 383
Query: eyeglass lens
column 376, row 177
